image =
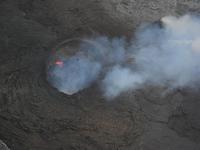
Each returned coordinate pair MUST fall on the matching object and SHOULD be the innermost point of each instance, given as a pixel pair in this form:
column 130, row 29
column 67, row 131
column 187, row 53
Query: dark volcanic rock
column 35, row 116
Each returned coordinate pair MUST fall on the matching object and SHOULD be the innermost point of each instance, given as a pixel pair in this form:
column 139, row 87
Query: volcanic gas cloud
column 166, row 54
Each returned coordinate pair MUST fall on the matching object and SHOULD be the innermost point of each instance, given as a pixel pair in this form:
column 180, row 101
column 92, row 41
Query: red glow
column 59, row 63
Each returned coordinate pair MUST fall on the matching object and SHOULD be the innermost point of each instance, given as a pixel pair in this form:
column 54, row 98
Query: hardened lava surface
column 35, row 116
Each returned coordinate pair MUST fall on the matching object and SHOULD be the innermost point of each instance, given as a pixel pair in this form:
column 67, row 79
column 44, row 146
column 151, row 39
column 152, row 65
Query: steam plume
column 76, row 74
column 165, row 54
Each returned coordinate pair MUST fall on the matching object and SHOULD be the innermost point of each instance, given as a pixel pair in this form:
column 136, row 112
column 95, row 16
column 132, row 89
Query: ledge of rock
column 3, row 146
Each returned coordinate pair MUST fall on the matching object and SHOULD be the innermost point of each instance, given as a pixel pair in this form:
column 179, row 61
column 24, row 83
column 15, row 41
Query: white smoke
column 120, row 79
column 76, row 74
column 170, row 55
column 166, row 54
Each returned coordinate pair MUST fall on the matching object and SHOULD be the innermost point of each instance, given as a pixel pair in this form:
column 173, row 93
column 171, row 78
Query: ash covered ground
column 36, row 116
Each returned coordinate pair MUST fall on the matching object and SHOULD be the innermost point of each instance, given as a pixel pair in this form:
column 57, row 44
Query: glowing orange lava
column 59, row 63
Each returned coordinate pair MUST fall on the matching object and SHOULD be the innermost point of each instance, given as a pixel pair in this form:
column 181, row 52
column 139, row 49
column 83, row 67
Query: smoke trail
column 120, row 79
column 76, row 74
column 172, row 57
column 164, row 54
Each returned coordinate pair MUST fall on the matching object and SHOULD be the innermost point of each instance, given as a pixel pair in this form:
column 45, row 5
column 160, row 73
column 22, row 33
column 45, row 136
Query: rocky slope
column 35, row 116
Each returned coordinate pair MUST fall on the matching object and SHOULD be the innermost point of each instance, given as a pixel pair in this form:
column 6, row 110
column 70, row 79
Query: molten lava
column 59, row 63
